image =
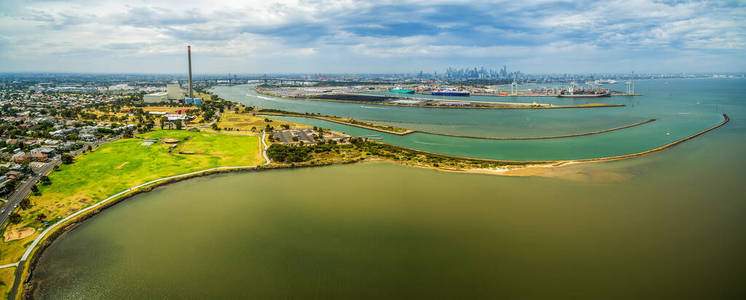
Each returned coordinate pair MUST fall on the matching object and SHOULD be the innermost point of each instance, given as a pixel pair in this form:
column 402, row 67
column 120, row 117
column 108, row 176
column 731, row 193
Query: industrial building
column 174, row 91
column 155, row 97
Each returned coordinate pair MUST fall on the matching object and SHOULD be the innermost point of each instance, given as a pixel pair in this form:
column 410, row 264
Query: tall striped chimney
column 189, row 56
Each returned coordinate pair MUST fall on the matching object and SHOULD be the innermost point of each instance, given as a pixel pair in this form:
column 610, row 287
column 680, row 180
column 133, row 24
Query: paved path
column 8, row 265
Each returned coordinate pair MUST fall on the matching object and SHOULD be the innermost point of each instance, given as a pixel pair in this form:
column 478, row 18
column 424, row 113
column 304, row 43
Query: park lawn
column 245, row 122
column 222, row 149
column 125, row 163
column 6, row 281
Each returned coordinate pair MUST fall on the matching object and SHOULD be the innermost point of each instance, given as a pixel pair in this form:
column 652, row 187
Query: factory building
column 155, row 97
column 174, row 91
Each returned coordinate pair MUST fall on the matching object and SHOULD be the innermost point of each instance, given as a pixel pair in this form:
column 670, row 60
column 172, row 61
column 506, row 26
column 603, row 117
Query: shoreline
column 23, row 273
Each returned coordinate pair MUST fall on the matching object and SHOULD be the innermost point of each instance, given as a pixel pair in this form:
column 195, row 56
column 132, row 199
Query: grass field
column 6, row 281
column 125, row 163
column 245, row 122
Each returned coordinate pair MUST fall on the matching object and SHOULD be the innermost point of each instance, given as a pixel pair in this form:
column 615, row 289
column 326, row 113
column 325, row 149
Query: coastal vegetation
column 360, row 149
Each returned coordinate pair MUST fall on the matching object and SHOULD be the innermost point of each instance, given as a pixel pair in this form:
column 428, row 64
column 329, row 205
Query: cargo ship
column 450, row 92
column 402, row 91
column 573, row 93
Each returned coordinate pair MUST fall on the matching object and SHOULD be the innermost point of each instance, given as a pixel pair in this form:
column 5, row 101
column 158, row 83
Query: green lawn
column 6, row 281
column 122, row 164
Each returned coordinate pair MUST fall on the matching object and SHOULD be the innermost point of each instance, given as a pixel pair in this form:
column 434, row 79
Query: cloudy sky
column 366, row 36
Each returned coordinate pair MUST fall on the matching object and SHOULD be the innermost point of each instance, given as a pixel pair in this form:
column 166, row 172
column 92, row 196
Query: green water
column 379, row 230
column 681, row 106
column 662, row 226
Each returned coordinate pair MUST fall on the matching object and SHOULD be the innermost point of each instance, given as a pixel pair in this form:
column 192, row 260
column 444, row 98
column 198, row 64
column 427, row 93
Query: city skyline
column 362, row 37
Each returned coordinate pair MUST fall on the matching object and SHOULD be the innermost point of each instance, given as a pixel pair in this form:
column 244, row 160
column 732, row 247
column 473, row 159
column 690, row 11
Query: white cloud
column 315, row 34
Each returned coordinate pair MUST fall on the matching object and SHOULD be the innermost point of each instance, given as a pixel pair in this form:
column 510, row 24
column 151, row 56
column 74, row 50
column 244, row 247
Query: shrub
column 67, row 159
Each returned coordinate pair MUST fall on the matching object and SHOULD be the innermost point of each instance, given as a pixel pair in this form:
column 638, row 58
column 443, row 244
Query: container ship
column 573, row 93
column 450, row 93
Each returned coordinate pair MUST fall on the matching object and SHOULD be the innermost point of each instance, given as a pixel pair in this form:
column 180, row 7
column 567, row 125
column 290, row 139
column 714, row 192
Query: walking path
column 9, row 265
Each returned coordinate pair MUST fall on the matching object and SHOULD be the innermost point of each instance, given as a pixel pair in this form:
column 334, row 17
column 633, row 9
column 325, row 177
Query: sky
column 349, row 36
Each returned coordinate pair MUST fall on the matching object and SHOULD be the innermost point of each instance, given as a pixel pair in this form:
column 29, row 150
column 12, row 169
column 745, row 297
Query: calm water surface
column 667, row 225
column 681, row 106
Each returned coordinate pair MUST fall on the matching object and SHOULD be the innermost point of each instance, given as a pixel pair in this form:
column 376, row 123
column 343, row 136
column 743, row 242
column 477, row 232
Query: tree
column 41, row 217
column 15, row 218
column 34, row 189
column 66, row 159
column 207, row 115
column 25, row 203
column 163, row 122
column 71, row 137
column 178, row 124
column 44, row 179
column 288, row 154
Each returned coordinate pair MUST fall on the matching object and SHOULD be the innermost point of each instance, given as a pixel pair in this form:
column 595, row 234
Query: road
column 23, row 189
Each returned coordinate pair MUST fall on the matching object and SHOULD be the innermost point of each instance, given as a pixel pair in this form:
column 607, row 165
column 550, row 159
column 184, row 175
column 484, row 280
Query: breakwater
column 726, row 119
column 540, row 137
column 409, row 131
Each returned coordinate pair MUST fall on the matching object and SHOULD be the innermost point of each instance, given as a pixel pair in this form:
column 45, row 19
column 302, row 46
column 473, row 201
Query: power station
column 191, row 100
column 173, row 89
